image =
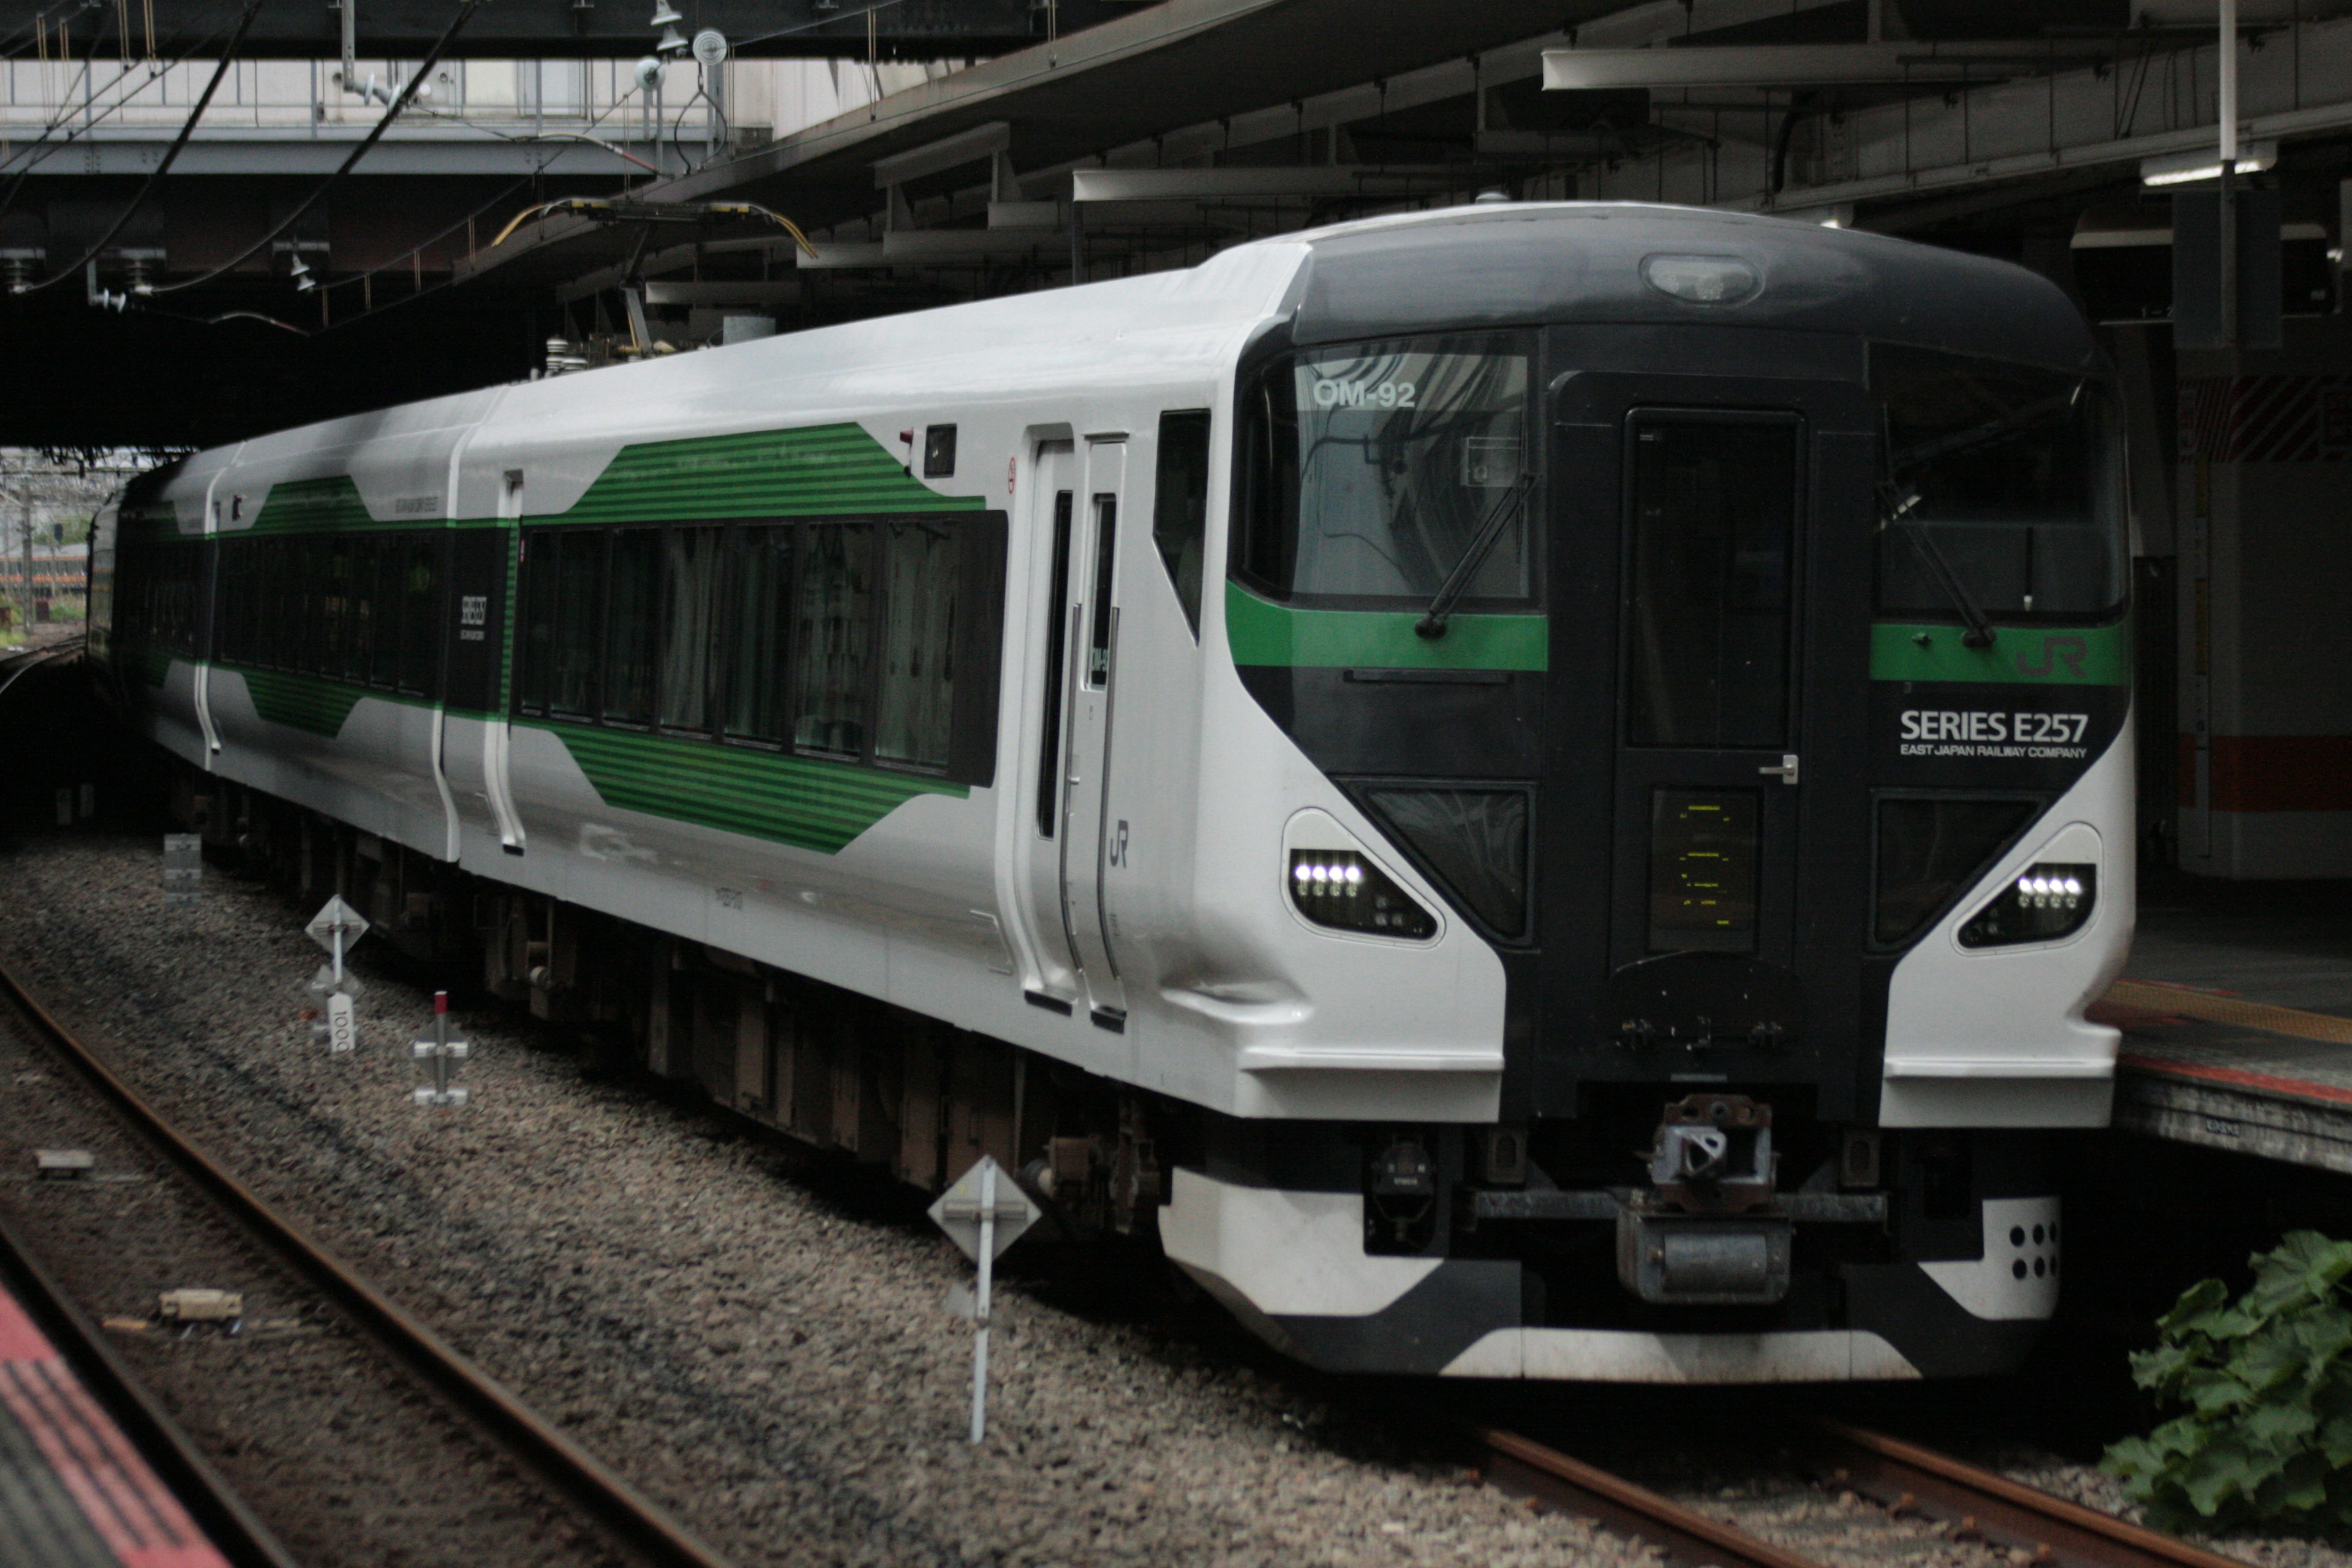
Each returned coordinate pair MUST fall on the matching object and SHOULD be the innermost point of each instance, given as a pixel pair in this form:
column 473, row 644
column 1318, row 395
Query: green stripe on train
column 2028, row 656
column 821, row 470
column 809, row 803
column 1261, row 632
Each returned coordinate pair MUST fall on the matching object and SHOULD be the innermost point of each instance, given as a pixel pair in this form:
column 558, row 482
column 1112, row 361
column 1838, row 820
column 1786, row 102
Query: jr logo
column 2055, row 651
column 1118, row 856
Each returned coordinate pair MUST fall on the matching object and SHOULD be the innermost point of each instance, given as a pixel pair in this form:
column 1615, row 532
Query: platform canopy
column 544, row 197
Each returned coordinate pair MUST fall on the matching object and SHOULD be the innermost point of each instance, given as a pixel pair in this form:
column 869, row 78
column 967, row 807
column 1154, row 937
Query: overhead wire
column 187, row 129
column 466, row 10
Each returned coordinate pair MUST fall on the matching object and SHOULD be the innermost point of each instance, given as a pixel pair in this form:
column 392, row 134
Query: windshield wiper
column 1458, row 582
column 1896, row 503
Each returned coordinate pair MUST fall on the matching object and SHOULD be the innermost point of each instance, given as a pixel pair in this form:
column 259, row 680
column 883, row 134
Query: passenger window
column 421, row 603
column 386, row 604
column 690, row 600
column 915, row 723
column 572, row 683
column 762, row 577
column 337, row 619
column 629, row 625
column 538, row 621
column 359, row 646
column 832, row 625
column 1180, row 511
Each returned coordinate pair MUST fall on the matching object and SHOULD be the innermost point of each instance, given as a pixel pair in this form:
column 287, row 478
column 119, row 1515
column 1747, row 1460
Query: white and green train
column 1538, row 791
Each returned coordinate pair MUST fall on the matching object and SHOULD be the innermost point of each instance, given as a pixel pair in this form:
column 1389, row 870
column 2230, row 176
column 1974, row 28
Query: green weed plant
column 2266, row 1383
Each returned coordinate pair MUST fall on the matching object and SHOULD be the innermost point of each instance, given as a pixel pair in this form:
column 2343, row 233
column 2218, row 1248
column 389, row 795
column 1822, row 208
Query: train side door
column 1059, row 631
column 1092, row 683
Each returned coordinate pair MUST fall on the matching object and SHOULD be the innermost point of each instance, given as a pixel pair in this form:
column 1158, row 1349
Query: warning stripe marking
column 2266, row 418
column 2293, row 1022
column 132, row 1511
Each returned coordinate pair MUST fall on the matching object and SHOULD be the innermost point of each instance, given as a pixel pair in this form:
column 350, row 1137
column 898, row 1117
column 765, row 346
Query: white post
column 2226, row 112
column 979, row 1303
column 339, row 941
column 2228, row 105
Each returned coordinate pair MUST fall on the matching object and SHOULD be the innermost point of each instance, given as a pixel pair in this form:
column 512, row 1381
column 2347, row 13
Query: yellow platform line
column 2161, row 996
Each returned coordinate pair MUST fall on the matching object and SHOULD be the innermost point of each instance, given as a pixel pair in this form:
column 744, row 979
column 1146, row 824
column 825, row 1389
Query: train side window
column 1179, row 508
column 1057, row 637
column 572, row 686
column 631, row 617
column 538, row 640
column 760, row 577
column 914, row 722
column 420, row 610
column 392, row 625
column 336, row 622
column 833, row 639
column 689, row 613
column 359, row 638
column 1099, row 611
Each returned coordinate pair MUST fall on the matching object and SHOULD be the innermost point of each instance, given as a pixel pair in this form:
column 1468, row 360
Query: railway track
column 198, row 1487
column 1909, row 1481
column 600, row 1495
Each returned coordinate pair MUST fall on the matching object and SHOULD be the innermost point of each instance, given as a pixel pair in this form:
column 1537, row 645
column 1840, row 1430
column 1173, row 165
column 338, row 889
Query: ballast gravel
column 755, row 1337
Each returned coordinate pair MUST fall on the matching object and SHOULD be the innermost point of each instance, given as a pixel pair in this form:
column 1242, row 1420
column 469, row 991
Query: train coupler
column 1705, row 1232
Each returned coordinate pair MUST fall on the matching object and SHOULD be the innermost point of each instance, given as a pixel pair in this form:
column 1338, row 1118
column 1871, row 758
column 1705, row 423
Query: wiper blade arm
column 1895, row 506
column 1458, row 582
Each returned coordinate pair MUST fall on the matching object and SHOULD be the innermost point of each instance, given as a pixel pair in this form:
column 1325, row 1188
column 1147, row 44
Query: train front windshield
column 2001, row 492
column 1377, row 467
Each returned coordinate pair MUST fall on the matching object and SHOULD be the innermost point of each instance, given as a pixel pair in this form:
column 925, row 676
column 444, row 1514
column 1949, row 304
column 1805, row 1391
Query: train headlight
column 2042, row 903
column 1342, row 890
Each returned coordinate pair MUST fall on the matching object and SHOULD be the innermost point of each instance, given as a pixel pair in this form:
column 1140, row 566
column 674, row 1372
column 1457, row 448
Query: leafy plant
column 2267, row 1383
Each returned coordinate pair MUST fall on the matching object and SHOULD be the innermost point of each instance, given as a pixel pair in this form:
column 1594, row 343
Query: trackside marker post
column 335, row 927
column 984, row 1212
column 434, row 1056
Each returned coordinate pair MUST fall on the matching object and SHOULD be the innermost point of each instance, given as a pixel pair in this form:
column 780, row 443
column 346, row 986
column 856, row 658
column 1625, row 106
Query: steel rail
column 1528, row 1468
column 178, row 1463
column 1909, row 1478
column 612, row 1501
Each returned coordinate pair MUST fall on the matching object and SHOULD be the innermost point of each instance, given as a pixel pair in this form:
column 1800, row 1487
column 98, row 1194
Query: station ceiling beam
column 617, row 29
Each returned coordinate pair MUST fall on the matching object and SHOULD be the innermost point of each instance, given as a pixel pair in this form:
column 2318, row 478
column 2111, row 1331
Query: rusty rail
column 1528, row 1468
column 603, row 1495
column 1909, row 1478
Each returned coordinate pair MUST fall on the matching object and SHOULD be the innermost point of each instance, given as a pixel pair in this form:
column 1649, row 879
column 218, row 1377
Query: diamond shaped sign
column 337, row 916
column 961, row 1208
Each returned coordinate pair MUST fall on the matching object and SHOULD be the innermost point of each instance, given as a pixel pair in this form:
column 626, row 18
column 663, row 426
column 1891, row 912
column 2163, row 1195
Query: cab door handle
column 1787, row 770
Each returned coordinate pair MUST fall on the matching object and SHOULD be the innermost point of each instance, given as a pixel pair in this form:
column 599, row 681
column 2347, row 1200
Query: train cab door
column 1711, row 575
column 1091, row 683
column 1709, row 766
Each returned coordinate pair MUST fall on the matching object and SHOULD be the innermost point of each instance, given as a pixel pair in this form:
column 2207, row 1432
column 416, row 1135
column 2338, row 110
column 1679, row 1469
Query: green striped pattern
column 301, row 701
column 824, row 469
column 316, row 503
column 1261, row 632
column 2020, row 656
column 806, row 802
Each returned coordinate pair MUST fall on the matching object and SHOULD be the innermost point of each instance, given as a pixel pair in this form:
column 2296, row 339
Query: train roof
column 1527, row 263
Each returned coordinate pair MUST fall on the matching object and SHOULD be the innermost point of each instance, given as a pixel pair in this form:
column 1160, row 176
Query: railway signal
column 984, row 1212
